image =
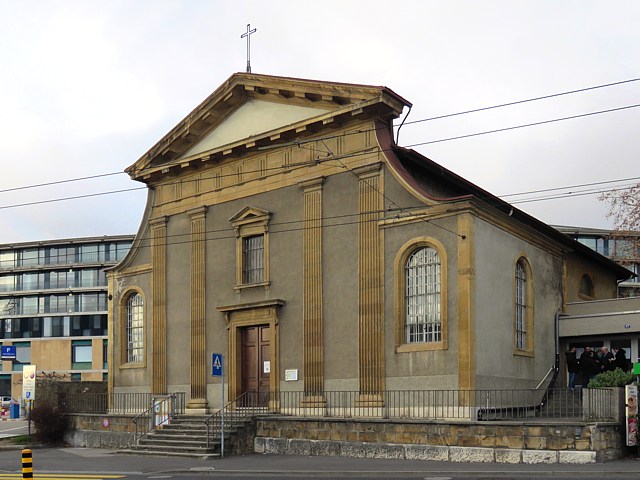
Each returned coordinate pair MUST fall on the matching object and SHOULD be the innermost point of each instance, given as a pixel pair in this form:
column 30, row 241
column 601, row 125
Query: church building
column 286, row 230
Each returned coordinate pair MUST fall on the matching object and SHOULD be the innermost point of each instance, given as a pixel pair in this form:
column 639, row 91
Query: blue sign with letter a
column 216, row 365
column 8, row 352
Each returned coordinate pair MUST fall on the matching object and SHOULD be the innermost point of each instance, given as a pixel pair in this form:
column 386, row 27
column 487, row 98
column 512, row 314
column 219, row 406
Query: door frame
column 250, row 315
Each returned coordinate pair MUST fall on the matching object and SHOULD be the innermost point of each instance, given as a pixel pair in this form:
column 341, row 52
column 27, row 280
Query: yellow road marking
column 57, row 476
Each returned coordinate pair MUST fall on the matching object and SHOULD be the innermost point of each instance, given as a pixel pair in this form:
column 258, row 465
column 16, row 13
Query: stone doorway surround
column 247, row 315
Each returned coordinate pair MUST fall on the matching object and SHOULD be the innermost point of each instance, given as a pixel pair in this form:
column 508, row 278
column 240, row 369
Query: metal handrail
column 148, row 415
column 552, row 369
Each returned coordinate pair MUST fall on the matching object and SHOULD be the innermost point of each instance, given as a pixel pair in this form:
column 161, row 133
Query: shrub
column 50, row 423
column 613, row 378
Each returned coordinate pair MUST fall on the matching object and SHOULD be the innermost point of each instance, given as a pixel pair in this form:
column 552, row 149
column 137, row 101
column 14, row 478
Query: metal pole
column 222, row 421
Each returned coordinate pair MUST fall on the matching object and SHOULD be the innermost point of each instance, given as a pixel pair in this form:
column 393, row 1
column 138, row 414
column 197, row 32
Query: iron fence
column 481, row 405
column 118, row 403
column 586, row 404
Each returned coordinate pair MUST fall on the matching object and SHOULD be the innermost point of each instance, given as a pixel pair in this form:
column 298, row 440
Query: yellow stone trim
column 121, row 315
column 248, row 316
column 312, row 288
column 198, row 333
column 371, row 360
column 529, row 350
column 248, row 222
column 466, row 303
column 400, row 285
column 158, row 305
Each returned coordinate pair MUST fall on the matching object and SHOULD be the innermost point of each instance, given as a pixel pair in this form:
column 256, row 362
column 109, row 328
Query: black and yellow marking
column 27, row 463
column 59, row 476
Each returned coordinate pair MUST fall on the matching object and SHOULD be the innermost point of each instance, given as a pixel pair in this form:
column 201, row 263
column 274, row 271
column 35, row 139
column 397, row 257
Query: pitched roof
column 313, row 106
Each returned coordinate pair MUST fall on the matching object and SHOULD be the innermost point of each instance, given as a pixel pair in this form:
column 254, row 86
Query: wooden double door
column 255, row 360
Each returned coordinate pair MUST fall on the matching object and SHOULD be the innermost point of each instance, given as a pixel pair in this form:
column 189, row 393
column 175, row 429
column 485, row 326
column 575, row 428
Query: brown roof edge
column 394, row 152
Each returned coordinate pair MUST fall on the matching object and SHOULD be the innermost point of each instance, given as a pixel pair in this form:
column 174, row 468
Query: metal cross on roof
column 248, row 35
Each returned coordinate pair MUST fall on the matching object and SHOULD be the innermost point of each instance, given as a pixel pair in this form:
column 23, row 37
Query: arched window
column 523, row 321
column 134, row 329
column 521, row 305
column 423, row 320
column 586, row 287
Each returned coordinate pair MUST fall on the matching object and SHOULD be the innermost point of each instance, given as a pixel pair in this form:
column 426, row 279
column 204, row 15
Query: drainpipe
column 557, row 338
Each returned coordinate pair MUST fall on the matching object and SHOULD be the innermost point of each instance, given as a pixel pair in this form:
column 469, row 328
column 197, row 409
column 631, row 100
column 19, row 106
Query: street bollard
column 27, row 464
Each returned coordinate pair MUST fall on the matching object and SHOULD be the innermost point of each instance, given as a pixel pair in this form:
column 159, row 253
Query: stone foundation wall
column 605, row 441
column 92, row 431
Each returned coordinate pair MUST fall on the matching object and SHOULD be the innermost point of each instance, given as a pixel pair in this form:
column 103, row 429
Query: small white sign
column 291, row 375
column 266, row 366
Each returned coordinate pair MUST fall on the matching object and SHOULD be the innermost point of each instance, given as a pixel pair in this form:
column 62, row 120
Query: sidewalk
column 91, row 460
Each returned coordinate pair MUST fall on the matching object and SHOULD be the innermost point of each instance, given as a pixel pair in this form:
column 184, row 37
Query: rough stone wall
column 604, row 439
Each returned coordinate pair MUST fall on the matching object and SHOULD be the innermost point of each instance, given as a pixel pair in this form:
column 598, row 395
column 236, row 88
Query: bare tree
column 624, row 208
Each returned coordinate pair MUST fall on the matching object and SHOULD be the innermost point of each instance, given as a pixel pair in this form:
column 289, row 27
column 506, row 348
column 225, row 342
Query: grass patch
column 20, row 440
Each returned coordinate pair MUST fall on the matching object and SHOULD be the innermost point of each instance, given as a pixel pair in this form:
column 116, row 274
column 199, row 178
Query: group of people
column 593, row 362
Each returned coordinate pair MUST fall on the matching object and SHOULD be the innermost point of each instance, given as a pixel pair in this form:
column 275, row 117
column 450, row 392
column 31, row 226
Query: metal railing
column 585, row 404
column 235, row 414
column 161, row 412
column 117, row 403
column 470, row 405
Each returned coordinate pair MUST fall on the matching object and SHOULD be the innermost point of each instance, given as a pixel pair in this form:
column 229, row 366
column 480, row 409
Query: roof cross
column 248, row 35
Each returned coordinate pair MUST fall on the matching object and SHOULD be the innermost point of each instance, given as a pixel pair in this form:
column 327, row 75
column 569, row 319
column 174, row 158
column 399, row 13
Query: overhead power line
column 465, row 112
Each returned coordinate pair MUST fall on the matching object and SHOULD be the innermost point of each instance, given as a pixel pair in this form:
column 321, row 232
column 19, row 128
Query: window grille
column 521, row 306
column 135, row 328
column 253, row 259
column 423, row 297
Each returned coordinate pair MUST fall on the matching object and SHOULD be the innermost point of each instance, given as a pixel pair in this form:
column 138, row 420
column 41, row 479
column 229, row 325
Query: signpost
column 29, row 387
column 217, row 370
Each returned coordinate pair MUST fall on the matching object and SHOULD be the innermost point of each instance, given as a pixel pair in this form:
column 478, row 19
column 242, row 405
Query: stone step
column 200, row 456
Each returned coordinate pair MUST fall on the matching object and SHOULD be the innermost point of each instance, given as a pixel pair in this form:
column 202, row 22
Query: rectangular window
column 7, row 283
column 23, row 355
column 81, row 354
column 8, row 259
column 89, row 253
column 105, row 354
column 122, row 249
column 253, row 259
column 29, row 257
column 89, row 278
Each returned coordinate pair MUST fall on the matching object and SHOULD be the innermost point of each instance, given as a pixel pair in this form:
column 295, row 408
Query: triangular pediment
column 250, row 120
column 250, row 214
column 252, row 111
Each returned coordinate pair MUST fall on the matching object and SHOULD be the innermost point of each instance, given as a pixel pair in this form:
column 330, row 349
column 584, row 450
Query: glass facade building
column 53, row 306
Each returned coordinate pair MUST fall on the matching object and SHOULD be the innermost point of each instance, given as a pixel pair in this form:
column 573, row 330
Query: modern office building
column 621, row 247
column 53, row 307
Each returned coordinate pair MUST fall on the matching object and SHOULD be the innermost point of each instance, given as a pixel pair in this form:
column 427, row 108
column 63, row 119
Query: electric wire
column 606, row 85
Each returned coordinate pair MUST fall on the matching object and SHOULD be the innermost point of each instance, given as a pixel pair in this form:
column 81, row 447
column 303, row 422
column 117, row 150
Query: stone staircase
column 563, row 403
column 186, row 436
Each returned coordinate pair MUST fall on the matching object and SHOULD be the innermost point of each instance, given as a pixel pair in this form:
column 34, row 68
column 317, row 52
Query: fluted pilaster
column 198, row 398
column 159, row 305
column 312, row 275
column 370, row 283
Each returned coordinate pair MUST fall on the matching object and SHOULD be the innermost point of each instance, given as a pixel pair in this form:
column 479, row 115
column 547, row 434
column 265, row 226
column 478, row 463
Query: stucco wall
column 498, row 365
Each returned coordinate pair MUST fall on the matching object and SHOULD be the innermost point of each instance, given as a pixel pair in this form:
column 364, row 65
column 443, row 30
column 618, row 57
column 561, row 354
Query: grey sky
column 86, row 87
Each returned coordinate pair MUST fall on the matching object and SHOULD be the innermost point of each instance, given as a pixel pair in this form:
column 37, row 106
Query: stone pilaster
column 370, row 286
column 198, row 400
column 466, row 300
column 312, row 288
column 159, row 305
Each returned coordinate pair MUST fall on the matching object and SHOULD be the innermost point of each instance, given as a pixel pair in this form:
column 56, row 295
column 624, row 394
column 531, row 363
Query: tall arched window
column 521, row 305
column 524, row 305
column 134, row 329
column 423, row 320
